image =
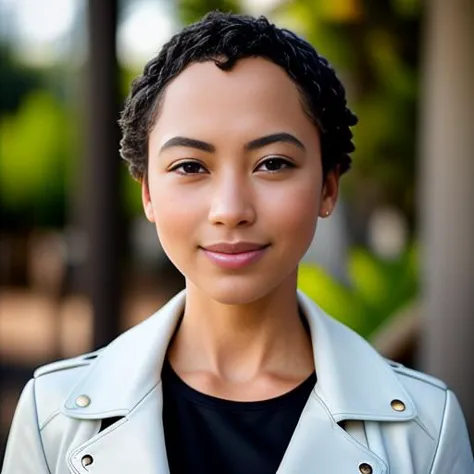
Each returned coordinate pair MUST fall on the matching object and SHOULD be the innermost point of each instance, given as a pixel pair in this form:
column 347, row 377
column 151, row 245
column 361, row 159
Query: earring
column 326, row 213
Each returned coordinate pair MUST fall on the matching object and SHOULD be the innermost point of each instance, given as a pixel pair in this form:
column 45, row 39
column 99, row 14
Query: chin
column 232, row 298
column 237, row 293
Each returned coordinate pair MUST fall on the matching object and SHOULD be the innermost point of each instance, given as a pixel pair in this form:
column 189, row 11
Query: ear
column 146, row 201
column 329, row 192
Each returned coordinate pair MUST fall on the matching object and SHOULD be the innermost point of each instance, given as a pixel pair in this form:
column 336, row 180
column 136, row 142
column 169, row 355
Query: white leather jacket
column 365, row 415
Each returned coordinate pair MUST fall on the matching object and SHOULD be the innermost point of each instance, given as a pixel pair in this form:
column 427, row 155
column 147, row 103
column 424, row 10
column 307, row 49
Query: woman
column 238, row 132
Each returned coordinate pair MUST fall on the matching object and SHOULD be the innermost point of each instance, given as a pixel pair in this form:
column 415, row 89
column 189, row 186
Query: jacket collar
column 354, row 381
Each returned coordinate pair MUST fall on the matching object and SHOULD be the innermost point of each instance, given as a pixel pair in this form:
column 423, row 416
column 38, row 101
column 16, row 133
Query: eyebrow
column 252, row 145
column 274, row 138
column 189, row 143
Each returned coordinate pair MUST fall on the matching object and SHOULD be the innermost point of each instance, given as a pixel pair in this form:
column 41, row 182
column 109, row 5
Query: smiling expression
column 235, row 182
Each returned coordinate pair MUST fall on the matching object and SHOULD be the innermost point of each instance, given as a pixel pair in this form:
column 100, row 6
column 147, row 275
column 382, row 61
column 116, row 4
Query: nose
column 232, row 203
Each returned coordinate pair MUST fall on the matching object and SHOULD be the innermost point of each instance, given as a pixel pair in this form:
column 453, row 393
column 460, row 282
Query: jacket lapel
column 354, row 383
column 133, row 444
column 137, row 442
column 319, row 444
column 125, row 382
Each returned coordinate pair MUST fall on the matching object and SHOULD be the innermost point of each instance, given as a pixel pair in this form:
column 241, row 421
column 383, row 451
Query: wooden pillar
column 447, row 197
column 102, row 197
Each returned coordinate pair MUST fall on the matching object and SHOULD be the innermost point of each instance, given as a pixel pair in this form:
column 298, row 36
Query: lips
column 234, row 247
column 234, row 256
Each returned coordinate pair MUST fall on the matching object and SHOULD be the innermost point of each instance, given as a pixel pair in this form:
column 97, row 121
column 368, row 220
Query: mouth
column 233, row 256
column 233, row 248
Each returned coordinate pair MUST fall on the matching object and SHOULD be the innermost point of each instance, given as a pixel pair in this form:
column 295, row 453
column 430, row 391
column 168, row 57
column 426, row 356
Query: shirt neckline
column 178, row 387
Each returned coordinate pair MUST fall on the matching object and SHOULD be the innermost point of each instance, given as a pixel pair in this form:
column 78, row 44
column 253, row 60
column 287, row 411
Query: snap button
column 398, row 405
column 365, row 468
column 87, row 460
column 83, row 401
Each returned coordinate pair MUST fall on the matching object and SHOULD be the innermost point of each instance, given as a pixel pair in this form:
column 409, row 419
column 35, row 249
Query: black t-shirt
column 205, row 434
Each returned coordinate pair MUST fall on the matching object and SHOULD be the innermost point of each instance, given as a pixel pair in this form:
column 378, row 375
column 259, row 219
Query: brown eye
column 189, row 167
column 273, row 165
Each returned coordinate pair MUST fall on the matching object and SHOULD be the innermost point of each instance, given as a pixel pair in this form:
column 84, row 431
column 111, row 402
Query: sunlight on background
column 42, row 29
column 39, row 28
column 44, row 21
column 260, row 7
column 145, row 27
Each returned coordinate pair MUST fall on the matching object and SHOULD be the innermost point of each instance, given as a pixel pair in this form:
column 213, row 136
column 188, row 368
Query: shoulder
column 418, row 384
column 415, row 379
column 79, row 361
column 429, row 395
column 54, row 382
column 440, row 415
column 30, row 447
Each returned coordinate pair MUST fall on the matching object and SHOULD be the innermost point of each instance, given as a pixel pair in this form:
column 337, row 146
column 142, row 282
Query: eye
column 274, row 164
column 188, row 168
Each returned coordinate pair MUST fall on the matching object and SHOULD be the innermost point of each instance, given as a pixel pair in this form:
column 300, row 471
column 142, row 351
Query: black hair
column 225, row 38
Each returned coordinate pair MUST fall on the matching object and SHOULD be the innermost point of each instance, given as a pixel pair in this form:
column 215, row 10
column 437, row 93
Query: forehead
column 255, row 93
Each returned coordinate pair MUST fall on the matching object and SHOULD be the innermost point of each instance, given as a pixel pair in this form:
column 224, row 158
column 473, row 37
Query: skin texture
column 241, row 336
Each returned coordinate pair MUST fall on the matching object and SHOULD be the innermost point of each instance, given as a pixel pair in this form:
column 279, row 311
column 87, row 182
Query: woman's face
column 233, row 159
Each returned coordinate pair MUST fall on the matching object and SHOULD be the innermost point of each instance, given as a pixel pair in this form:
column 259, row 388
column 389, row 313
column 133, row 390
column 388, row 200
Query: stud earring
column 326, row 213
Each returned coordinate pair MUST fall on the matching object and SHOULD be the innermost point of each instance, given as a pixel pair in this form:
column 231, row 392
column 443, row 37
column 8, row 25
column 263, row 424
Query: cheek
column 176, row 218
column 294, row 211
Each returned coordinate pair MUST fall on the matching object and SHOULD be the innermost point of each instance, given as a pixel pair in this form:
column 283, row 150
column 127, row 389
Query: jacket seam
column 50, row 418
column 372, row 416
column 39, row 429
column 440, row 385
column 348, row 436
column 56, row 367
column 93, row 440
column 101, row 434
column 418, row 421
column 95, row 414
column 440, row 431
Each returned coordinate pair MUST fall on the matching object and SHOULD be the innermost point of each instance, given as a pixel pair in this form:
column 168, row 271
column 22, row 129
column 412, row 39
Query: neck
column 239, row 343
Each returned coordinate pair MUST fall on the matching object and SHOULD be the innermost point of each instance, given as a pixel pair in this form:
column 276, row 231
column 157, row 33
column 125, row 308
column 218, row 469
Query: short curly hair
column 225, row 38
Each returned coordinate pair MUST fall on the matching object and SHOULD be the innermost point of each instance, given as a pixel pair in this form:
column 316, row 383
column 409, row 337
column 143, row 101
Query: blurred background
column 80, row 264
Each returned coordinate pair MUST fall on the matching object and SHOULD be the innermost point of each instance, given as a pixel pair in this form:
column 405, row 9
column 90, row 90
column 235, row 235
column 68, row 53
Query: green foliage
column 378, row 288
column 335, row 298
column 407, row 8
column 15, row 82
column 35, row 147
column 190, row 11
column 374, row 47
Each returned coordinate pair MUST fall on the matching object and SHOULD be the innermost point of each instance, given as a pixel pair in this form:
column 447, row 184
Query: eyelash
column 287, row 164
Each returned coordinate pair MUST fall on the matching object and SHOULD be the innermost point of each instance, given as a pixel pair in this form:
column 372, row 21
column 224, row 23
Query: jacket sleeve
column 454, row 454
column 24, row 453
